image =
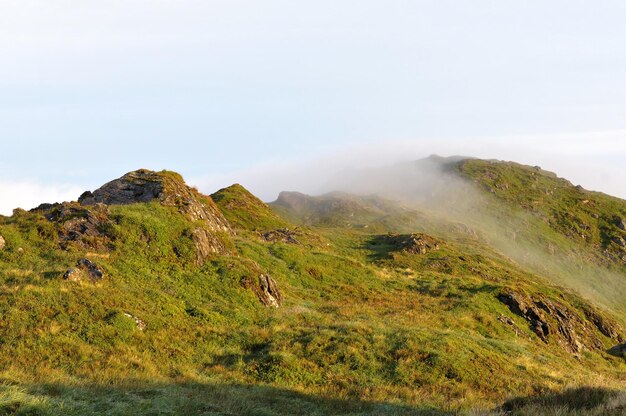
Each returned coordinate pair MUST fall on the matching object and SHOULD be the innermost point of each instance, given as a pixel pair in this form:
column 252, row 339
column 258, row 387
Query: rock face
column 170, row 190
column 552, row 320
column 524, row 307
column 82, row 226
column 84, row 267
column 268, row 292
column 2, row 243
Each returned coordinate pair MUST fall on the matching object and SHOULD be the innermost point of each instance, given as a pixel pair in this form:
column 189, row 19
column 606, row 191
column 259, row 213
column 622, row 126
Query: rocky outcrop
column 268, row 292
column 84, row 268
column 524, row 307
column 2, row 243
column 621, row 223
column 282, row 235
column 207, row 243
column 169, row 189
column 606, row 327
column 412, row 243
column 553, row 321
column 85, row 227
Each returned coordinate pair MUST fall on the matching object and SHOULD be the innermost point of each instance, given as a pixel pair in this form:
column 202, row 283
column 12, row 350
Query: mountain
column 437, row 287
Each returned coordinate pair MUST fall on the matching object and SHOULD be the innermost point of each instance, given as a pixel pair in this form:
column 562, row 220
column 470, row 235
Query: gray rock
column 90, row 267
column 269, row 294
column 72, row 275
column 412, row 243
column 283, row 235
column 84, row 267
column 169, row 189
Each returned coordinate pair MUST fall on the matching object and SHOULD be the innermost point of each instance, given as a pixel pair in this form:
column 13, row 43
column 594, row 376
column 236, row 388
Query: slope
column 366, row 323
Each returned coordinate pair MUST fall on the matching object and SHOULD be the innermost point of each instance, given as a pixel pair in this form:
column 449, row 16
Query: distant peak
column 140, row 185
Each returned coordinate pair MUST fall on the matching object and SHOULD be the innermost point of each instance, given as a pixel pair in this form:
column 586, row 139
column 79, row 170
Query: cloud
column 594, row 160
column 29, row 194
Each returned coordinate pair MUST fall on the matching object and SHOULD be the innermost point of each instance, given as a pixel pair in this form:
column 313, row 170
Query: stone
column 521, row 306
column 84, row 267
column 621, row 223
column 207, row 244
column 2, row 243
column 269, row 295
column 169, row 189
column 606, row 327
column 553, row 321
column 282, row 235
column 73, row 275
column 79, row 225
column 141, row 325
column 413, row 243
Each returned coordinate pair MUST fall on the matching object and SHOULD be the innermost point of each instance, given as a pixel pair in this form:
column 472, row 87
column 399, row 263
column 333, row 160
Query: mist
column 433, row 186
column 595, row 160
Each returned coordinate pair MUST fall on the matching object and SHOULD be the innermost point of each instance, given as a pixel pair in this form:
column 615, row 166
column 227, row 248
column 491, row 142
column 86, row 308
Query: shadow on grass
column 578, row 401
column 380, row 248
column 184, row 399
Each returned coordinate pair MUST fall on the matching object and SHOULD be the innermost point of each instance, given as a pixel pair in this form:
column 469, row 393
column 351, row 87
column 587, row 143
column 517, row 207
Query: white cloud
column 29, row 194
column 595, row 160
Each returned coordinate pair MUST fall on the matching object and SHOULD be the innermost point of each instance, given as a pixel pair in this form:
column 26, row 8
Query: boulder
column 621, row 223
column 2, row 243
column 413, row 243
column 268, row 292
column 282, row 235
column 84, row 267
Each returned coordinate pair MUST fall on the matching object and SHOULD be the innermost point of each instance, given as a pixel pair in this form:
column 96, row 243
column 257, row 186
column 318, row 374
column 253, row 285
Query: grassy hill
column 222, row 305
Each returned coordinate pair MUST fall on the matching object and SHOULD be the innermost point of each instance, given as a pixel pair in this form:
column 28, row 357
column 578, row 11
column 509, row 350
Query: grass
column 364, row 328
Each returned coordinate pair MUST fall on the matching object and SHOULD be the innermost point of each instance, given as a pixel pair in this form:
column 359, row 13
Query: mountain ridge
column 361, row 303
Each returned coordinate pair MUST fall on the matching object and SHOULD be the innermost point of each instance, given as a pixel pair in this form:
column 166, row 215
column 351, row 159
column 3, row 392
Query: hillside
column 147, row 297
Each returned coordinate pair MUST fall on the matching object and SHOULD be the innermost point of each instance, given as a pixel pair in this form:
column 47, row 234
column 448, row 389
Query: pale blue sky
column 228, row 90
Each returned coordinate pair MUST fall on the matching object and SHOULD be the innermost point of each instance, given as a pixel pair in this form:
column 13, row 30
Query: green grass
column 364, row 328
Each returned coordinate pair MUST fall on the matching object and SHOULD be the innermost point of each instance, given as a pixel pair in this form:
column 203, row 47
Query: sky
column 285, row 94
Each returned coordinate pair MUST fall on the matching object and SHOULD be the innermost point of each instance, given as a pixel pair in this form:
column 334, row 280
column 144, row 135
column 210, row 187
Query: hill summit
column 146, row 296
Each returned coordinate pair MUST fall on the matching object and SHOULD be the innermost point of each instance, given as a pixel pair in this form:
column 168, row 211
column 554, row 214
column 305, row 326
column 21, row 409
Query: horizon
column 256, row 180
column 271, row 94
